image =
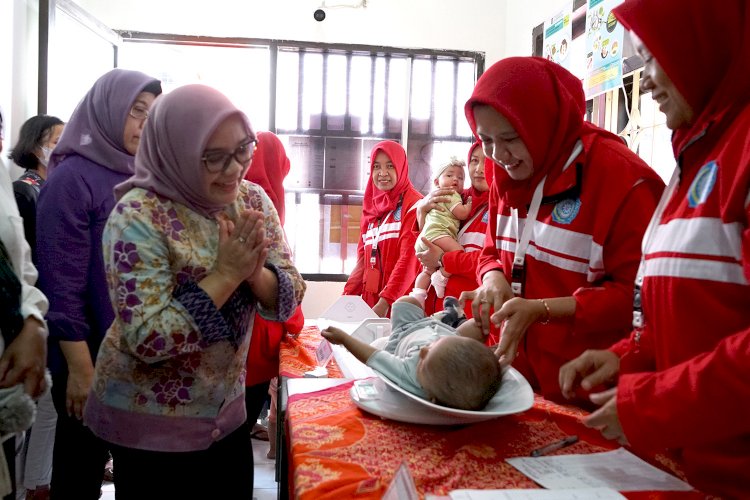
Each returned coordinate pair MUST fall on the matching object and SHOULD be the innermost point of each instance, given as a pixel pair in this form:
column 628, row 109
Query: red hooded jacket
column 462, row 265
column 695, row 294
column 269, row 168
column 387, row 218
column 587, row 235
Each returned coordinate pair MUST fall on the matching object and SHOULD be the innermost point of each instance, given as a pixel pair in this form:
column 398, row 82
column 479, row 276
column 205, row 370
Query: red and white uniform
column 388, row 217
column 585, row 240
column 592, row 256
column 396, row 260
column 462, row 265
column 689, row 380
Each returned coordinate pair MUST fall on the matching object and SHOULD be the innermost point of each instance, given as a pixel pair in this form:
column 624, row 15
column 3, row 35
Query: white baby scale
column 374, row 393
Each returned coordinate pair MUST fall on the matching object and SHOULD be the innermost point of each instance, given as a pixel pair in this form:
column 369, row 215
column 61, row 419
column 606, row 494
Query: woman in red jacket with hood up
column 386, row 263
column 685, row 372
column 568, row 207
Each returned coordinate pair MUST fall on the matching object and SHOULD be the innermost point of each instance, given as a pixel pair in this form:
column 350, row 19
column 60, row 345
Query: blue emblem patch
column 565, row 211
column 703, row 184
column 486, row 217
column 397, row 214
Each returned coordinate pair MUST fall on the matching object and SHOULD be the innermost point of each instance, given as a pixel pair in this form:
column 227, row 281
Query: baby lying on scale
column 439, row 358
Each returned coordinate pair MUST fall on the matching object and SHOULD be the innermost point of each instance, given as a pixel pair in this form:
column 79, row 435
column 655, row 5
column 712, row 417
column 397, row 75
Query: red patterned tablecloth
column 298, row 354
column 338, row 451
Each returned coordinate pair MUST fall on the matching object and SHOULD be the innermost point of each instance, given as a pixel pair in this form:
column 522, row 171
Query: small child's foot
column 439, row 282
column 420, row 294
column 454, row 314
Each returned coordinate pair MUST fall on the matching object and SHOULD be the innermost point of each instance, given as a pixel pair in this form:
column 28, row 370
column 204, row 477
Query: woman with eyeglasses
column 192, row 251
column 683, row 377
column 96, row 152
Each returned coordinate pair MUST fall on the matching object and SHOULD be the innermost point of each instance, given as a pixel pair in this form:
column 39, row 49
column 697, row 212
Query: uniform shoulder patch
column 397, row 214
column 703, row 184
column 566, row 210
column 486, row 217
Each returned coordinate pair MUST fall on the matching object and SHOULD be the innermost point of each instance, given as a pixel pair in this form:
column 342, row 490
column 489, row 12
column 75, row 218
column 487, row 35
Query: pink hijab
column 169, row 155
column 96, row 128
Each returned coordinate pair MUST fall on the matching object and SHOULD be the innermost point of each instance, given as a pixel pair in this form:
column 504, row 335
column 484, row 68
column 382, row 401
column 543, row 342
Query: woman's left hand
column 605, row 418
column 431, row 257
column 518, row 314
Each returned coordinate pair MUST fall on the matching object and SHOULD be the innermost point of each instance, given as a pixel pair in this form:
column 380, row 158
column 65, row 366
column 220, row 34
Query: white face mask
column 46, row 153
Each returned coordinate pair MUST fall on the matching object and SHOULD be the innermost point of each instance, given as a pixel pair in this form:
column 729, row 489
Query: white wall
column 476, row 25
column 19, row 45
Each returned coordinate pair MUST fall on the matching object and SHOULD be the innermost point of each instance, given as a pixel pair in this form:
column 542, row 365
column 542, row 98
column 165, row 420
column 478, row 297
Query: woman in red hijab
column 269, row 168
column 685, row 372
column 568, row 207
column 386, row 263
column 461, row 265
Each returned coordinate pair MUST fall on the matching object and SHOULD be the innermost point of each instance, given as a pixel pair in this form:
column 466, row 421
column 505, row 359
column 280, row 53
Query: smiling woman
column 95, row 153
column 386, row 263
column 569, row 204
column 192, row 251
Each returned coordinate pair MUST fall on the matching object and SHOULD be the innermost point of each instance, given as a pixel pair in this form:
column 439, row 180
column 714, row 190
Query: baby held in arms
column 440, row 358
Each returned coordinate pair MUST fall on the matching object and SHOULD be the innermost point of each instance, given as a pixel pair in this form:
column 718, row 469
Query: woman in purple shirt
column 95, row 152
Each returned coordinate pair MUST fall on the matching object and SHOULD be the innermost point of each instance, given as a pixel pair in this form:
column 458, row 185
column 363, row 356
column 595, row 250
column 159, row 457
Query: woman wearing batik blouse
column 192, row 252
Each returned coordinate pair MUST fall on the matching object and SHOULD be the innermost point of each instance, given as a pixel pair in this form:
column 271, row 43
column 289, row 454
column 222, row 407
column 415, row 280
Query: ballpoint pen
column 557, row 445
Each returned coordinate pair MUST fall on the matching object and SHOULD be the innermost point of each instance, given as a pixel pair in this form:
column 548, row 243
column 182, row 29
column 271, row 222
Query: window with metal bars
column 329, row 104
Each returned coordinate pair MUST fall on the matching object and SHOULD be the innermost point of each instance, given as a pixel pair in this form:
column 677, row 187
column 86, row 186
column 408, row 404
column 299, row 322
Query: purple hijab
column 97, row 127
column 174, row 138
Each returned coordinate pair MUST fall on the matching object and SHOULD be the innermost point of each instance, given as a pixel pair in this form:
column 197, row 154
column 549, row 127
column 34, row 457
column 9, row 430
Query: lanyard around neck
column 522, row 244
column 517, row 274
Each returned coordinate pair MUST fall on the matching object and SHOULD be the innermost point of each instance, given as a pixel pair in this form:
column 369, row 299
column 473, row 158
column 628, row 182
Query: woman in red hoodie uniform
column 568, row 207
column 685, row 372
column 460, row 264
column 386, row 263
column 268, row 169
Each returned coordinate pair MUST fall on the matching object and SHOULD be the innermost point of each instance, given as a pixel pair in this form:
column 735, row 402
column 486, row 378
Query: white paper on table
column 573, row 494
column 402, row 486
column 618, row 469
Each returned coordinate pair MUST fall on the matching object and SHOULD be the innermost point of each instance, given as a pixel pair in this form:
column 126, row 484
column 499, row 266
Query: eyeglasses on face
column 219, row 161
column 139, row 112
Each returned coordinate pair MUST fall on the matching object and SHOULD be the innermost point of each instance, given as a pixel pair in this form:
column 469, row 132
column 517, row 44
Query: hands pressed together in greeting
column 243, row 246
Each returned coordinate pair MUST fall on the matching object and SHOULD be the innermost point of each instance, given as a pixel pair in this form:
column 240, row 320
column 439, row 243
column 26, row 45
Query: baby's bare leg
column 447, row 244
column 470, row 329
column 411, row 300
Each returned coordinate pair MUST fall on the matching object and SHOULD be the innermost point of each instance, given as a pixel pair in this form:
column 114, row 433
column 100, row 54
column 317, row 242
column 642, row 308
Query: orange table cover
column 298, row 354
column 338, row 451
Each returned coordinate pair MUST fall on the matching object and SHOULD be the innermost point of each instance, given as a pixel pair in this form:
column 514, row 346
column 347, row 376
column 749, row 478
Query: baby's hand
column 334, row 335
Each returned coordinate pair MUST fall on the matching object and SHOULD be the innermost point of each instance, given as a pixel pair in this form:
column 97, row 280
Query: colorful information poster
column 604, row 36
column 558, row 34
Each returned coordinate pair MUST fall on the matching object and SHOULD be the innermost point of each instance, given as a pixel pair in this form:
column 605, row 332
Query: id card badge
column 323, row 353
column 372, row 280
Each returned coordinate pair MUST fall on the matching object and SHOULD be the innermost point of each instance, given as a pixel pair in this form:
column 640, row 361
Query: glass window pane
column 312, row 90
column 421, row 83
column 287, row 90
column 242, row 74
column 336, row 85
column 465, row 88
column 397, row 90
column 444, row 88
column 71, row 77
column 360, row 92
column 378, row 91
